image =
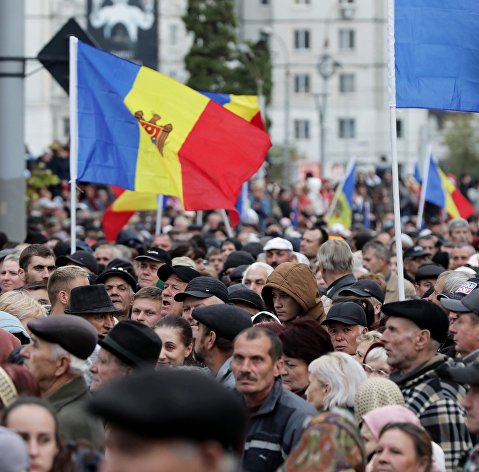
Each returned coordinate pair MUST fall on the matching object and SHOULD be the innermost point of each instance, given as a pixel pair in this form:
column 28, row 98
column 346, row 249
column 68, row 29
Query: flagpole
column 227, row 223
column 73, row 139
column 339, row 190
column 422, row 198
column 393, row 137
column 159, row 213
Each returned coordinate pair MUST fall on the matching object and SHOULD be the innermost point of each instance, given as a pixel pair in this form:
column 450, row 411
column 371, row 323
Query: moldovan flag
column 441, row 192
column 117, row 215
column 342, row 213
column 143, row 131
column 434, row 54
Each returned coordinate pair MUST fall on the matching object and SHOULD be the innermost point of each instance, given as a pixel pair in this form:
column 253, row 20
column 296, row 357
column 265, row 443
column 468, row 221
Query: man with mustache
column 277, row 416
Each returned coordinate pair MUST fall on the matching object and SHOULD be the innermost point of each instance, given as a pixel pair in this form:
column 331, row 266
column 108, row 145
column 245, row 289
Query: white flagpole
column 424, row 177
column 73, row 139
column 227, row 223
column 340, row 189
column 394, row 160
column 159, row 213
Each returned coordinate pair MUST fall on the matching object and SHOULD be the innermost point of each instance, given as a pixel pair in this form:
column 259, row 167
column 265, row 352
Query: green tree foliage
column 462, row 142
column 215, row 61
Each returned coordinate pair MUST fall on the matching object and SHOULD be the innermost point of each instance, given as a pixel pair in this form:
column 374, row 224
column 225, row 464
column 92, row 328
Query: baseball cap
column 204, row 287
column 155, row 254
column 468, row 303
column 468, row 375
column 185, row 273
column 423, row 313
column 364, row 288
column 79, row 258
column 415, row 251
column 117, row 272
column 279, row 244
column 349, row 313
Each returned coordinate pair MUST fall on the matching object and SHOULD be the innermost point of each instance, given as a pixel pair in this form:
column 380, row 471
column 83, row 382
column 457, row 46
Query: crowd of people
column 281, row 347
column 267, row 351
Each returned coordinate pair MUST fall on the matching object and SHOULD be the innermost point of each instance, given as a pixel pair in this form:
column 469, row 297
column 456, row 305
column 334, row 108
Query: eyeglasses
column 372, row 371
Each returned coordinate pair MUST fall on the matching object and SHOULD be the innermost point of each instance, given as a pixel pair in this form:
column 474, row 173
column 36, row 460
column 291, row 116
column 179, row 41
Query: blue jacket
column 275, row 429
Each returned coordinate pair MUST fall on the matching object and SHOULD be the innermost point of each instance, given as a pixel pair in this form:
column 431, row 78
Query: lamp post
column 287, row 108
column 327, row 68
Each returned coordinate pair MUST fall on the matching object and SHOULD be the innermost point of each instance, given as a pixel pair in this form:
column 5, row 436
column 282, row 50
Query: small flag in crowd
column 342, row 213
column 143, row 131
column 441, row 192
column 434, row 61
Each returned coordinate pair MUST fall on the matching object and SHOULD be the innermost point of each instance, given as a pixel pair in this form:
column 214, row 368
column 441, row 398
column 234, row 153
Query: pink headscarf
column 380, row 417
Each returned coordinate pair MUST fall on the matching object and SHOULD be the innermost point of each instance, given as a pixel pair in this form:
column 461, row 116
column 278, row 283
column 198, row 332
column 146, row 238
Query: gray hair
column 344, row 375
column 457, row 223
column 378, row 248
column 257, row 265
column 336, row 256
column 378, row 354
column 77, row 365
column 454, row 280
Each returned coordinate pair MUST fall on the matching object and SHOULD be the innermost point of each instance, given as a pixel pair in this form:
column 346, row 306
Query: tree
column 462, row 142
column 215, row 61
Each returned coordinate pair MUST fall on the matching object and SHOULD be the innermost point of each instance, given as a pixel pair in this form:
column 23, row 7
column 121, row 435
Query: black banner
column 127, row 28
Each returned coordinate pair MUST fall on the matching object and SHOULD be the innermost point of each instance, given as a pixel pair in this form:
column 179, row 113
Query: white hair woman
column 333, row 381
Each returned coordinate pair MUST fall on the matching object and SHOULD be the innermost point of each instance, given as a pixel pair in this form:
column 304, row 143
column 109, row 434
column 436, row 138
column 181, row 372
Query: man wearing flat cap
column 129, row 346
column 242, row 297
column 201, row 291
column 57, row 359
column 469, row 376
column 218, row 326
column 175, row 279
column 426, row 277
column 465, row 328
column 201, row 429
column 414, row 331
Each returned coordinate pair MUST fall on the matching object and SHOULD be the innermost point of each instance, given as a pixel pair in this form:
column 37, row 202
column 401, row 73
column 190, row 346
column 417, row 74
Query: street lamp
column 286, row 147
column 327, row 68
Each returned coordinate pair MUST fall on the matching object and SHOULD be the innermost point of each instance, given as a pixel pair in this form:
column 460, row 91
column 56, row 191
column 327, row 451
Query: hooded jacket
column 298, row 282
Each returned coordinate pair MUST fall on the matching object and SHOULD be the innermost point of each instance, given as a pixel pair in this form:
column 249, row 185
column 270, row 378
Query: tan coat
column 298, row 282
column 392, row 290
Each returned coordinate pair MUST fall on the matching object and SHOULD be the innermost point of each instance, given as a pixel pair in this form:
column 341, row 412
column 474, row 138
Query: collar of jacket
column 426, row 367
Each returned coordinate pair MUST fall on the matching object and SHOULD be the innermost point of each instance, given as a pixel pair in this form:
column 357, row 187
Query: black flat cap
column 74, row 334
column 123, row 263
column 237, row 273
column 349, row 313
column 117, row 272
column 241, row 294
column 134, row 343
column 428, row 271
column 155, row 254
column 227, row 321
column 415, row 251
column 364, row 288
column 185, row 273
column 204, row 287
column 424, row 314
column 468, row 375
column 79, row 258
column 237, row 258
column 467, row 304
column 90, row 299
column 197, row 408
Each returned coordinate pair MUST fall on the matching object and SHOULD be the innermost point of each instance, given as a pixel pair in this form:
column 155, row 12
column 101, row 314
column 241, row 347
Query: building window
column 301, row 39
column 301, row 83
column 301, row 129
column 399, row 129
column 347, row 83
column 347, row 128
column 347, row 39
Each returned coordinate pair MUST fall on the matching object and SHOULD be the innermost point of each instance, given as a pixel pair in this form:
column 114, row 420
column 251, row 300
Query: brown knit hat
column 375, row 392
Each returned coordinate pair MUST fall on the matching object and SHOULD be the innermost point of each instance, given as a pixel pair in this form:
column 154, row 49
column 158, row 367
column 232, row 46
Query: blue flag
column 436, row 54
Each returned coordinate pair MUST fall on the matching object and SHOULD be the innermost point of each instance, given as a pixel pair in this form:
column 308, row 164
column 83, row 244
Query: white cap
column 280, row 244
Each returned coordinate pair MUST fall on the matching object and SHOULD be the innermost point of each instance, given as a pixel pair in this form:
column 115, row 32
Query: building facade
column 330, row 95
